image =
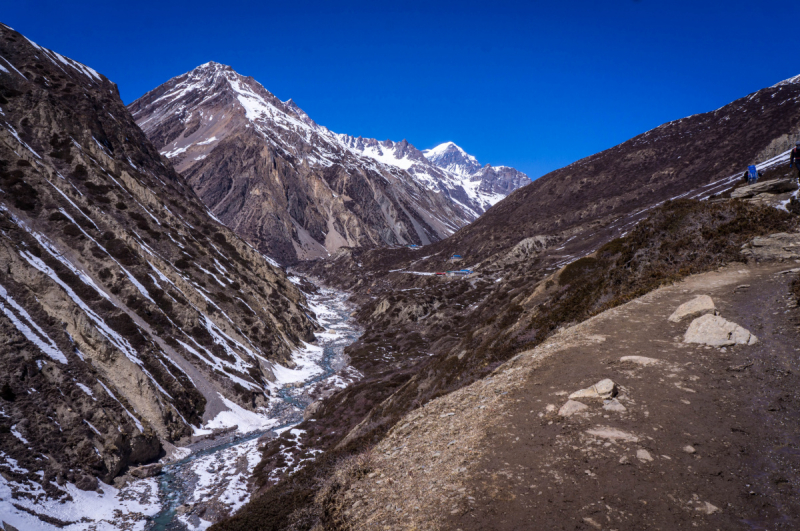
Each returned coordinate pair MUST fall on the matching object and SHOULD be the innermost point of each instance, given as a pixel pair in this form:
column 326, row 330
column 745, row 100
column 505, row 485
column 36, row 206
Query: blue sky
column 535, row 85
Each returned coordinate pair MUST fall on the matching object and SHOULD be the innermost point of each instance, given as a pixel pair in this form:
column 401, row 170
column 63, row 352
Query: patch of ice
column 245, row 420
column 86, row 390
column 15, row 432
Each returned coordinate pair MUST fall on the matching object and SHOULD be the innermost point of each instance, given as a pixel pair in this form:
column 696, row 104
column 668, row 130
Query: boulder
column 715, row 331
column 780, row 246
column 776, row 186
column 146, row 471
column 571, row 408
column 86, row 482
column 615, row 406
column 696, row 307
column 602, row 389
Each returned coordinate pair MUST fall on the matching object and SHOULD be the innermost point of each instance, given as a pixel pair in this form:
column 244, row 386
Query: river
column 212, row 481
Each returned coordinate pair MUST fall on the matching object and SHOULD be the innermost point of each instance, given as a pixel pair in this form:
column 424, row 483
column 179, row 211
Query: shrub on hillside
column 680, row 238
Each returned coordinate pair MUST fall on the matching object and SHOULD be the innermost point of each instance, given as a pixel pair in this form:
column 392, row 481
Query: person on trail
column 794, row 159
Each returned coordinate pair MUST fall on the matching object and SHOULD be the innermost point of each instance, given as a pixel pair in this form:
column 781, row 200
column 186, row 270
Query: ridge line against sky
column 535, row 86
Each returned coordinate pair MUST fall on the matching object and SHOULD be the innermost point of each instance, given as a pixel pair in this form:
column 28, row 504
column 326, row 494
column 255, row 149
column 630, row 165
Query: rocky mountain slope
column 602, row 420
column 130, row 316
column 577, row 242
column 293, row 188
column 696, row 156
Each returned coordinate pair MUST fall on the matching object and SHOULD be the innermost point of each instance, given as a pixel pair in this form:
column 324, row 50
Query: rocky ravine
column 293, row 188
column 130, row 315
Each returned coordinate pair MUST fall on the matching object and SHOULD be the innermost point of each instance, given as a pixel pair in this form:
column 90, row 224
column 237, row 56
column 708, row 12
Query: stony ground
column 698, row 437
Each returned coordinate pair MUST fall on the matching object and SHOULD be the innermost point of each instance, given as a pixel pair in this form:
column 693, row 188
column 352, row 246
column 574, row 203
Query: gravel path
column 698, row 437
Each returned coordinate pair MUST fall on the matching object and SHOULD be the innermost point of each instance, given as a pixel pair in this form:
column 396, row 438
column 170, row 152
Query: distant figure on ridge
column 795, row 158
column 752, row 174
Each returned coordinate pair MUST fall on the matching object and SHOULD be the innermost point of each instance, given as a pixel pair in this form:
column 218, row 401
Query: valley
column 220, row 314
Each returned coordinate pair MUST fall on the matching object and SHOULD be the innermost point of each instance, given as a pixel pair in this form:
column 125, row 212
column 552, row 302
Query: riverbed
column 212, row 481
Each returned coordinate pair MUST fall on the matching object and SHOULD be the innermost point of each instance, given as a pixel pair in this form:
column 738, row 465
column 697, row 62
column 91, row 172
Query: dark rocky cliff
column 129, row 314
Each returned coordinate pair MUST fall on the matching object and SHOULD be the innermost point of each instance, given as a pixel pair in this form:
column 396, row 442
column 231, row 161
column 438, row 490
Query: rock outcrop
column 775, row 186
column 779, row 246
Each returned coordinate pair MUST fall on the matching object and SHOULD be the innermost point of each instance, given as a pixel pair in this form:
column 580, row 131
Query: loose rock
column 602, row 389
column 643, row 455
column 615, row 405
column 571, row 408
column 612, row 433
column 715, row 331
column 696, row 307
column 641, row 360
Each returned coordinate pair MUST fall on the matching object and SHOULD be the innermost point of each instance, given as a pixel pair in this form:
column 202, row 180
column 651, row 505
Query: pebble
column 643, row 455
column 689, row 449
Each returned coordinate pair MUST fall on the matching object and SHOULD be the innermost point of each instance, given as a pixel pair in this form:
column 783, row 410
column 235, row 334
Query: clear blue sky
column 535, row 85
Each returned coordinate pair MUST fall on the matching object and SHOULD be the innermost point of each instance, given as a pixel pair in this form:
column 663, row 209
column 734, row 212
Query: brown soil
column 505, row 460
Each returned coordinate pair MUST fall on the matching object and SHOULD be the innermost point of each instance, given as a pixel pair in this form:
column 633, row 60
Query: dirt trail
column 709, row 438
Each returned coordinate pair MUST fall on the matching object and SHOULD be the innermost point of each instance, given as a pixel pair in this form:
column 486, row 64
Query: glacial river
column 212, row 480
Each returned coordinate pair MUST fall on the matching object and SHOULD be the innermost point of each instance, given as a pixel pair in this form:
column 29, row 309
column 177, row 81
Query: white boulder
column 602, row 389
column 696, row 307
column 715, row 331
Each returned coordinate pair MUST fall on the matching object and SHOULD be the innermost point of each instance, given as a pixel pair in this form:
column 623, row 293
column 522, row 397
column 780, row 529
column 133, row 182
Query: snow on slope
column 452, row 158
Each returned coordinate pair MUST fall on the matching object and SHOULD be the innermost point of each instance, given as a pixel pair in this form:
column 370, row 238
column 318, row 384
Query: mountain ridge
column 338, row 190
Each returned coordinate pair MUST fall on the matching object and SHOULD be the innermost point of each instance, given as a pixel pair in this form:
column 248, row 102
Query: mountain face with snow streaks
column 129, row 316
column 290, row 186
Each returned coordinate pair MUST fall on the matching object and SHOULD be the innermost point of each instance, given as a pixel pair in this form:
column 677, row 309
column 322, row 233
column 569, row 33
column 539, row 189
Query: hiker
column 795, row 158
column 751, row 175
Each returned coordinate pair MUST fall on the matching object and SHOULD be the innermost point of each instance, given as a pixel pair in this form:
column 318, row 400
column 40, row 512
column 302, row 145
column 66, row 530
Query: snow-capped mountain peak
column 452, row 158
